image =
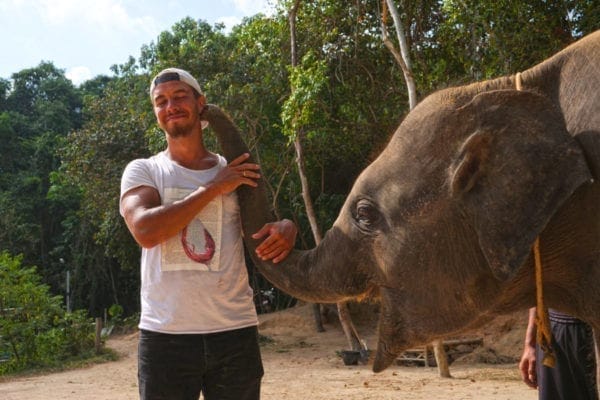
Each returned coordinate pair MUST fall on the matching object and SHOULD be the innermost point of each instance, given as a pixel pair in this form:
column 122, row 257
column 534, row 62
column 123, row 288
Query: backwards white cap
column 175, row 74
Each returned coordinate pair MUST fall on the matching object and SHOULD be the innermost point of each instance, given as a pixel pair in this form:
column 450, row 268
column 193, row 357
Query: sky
column 86, row 37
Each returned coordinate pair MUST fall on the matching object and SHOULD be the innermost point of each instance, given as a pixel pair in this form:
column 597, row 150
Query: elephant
column 442, row 223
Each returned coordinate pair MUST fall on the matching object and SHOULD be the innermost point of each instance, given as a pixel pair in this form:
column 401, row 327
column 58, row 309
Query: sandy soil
column 303, row 364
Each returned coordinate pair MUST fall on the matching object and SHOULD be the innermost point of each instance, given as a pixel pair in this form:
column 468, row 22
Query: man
column 574, row 375
column 198, row 325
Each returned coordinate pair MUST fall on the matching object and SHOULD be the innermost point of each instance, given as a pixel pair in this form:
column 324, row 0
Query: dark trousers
column 221, row 366
column 574, row 375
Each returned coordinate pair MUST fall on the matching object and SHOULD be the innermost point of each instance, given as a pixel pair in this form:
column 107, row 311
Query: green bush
column 35, row 330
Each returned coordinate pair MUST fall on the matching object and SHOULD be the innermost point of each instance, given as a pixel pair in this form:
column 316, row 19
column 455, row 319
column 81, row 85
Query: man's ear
column 201, row 102
column 202, row 110
column 515, row 169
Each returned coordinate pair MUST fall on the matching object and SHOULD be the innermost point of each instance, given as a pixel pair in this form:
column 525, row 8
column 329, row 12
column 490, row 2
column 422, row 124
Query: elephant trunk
column 319, row 275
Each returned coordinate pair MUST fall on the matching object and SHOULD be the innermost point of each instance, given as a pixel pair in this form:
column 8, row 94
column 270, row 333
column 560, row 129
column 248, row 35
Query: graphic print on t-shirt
column 197, row 247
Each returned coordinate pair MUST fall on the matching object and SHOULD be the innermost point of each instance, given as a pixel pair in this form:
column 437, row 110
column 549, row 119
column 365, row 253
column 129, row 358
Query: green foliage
column 34, row 329
column 487, row 39
column 191, row 45
column 117, row 323
column 301, row 109
column 41, row 107
column 115, row 311
column 364, row 96
column 114, row 131
column 96, row 245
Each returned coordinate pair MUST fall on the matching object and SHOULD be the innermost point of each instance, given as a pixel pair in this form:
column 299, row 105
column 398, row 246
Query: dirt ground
column 303, row 364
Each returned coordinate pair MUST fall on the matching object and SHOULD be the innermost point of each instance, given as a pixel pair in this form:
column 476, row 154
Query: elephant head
column 442, row 219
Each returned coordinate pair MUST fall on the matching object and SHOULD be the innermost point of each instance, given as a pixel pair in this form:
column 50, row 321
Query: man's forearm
column 153, row 225
column 530, row 333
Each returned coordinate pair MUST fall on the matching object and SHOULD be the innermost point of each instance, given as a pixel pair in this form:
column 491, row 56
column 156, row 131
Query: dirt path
column 299, row 364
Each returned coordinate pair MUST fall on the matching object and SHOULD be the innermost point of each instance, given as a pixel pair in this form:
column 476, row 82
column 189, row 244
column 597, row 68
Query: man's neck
column 189, row 152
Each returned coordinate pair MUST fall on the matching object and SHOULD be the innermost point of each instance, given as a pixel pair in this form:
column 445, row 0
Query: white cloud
column 104, row 15
column 100, row 33
column 230, row 22
column 251, row 7
column 55, row 12
column 7, row 5
column 78, row 75
column 247, row 8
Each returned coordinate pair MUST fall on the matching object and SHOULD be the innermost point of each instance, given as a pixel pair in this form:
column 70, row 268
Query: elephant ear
column 515, row 169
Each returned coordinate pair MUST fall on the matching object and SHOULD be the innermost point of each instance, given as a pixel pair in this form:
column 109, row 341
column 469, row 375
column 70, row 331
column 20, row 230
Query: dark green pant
column 573, row 377
column 221, row 366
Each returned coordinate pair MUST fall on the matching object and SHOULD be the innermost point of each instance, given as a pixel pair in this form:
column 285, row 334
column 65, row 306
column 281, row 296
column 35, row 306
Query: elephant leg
column 316, row 307
column 354, row 341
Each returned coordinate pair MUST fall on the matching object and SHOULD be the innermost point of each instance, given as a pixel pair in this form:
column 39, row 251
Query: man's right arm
column 152, row 223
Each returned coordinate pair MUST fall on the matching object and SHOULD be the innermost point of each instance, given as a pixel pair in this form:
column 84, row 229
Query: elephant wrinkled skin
column 442, row 223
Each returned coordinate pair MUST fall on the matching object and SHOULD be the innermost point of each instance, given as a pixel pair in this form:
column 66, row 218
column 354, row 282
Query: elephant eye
column 366, row 215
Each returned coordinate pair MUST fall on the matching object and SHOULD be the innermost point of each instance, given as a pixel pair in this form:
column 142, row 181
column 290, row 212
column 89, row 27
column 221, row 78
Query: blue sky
column 86, row 37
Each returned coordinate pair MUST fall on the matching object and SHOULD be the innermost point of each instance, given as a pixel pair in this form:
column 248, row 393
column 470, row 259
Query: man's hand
column 527, row 366
column 238, row 172
column 281, row 236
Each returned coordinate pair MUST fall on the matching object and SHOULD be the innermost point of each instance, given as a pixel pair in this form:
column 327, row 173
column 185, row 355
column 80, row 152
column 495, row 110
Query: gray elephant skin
column 441, row 225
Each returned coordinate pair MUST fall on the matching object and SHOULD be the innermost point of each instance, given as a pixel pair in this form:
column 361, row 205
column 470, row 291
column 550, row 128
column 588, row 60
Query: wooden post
column 98, row 334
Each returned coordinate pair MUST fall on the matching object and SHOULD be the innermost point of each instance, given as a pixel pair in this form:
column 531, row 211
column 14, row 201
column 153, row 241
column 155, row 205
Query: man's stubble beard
column 180, row 130
column 177, row 131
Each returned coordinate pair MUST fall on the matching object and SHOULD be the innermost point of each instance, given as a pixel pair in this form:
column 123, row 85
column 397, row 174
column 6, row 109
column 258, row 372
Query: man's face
column 176, row 108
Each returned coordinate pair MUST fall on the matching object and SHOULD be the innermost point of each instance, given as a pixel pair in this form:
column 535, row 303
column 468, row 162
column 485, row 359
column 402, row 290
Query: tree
column 5, row 87
column 482, row 40
column 300, row 110
column 41, row 107
column 117, row 130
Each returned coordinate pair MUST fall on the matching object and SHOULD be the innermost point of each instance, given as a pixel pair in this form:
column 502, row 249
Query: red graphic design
column 190, row 248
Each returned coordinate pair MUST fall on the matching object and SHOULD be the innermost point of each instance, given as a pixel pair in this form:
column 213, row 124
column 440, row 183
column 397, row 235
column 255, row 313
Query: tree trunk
column 402, row 57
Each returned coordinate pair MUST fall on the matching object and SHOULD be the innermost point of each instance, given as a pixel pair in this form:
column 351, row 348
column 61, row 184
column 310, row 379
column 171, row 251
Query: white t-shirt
column 195, row 282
